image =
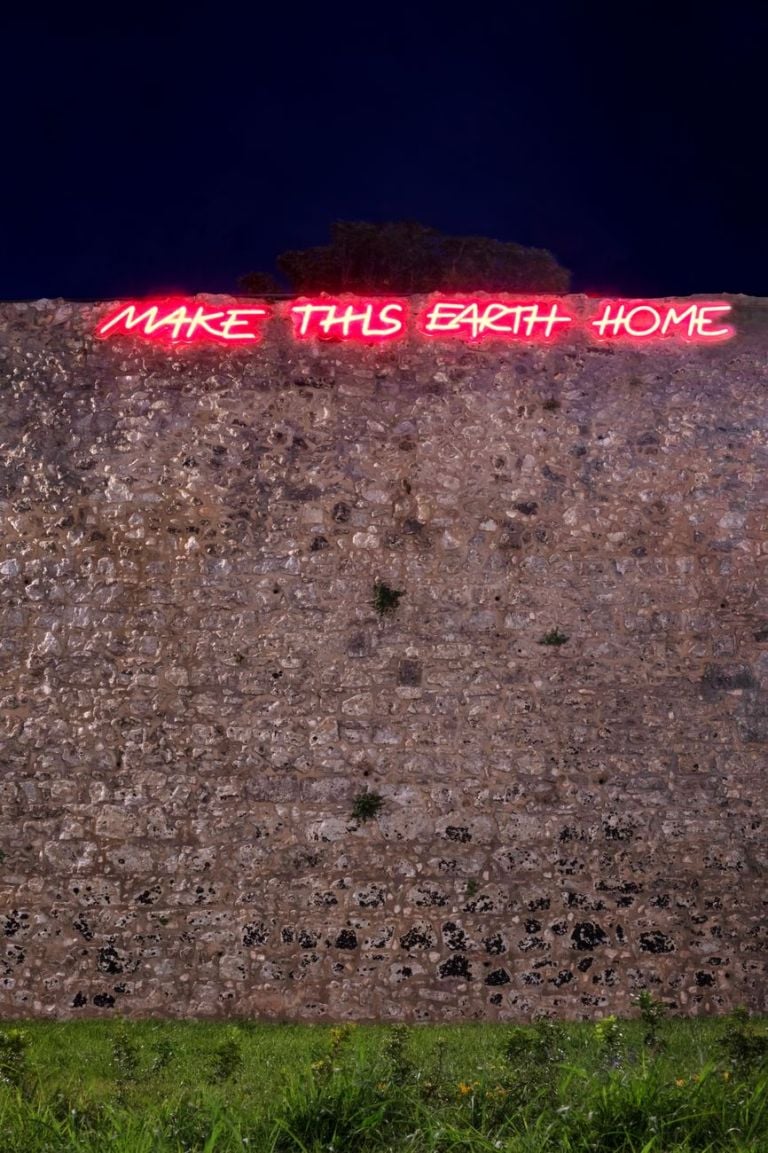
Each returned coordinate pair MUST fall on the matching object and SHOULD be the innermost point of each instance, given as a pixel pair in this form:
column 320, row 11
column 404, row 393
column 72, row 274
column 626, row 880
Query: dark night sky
column 148, row 153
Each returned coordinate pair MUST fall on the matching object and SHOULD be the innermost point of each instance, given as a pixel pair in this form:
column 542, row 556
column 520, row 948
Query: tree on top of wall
column 407, row 257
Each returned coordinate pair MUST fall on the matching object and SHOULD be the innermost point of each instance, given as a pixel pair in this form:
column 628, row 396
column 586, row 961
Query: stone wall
column 195, row 685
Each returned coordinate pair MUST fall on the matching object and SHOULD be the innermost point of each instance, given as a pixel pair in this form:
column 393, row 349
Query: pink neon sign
column 179, row 321
column 493, row 320
column 468, row 318
column 378, row 319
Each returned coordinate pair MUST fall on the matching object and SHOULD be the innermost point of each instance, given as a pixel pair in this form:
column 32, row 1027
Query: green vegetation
column 366, row 805
column 553, row 638
column 385, row 599
column 172, row 1086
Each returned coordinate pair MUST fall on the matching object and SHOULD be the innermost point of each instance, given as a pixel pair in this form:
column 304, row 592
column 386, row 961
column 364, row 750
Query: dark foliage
column 406, row 257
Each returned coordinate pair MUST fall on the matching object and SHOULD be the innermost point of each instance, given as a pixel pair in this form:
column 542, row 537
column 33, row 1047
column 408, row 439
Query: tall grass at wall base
column 164, row 1087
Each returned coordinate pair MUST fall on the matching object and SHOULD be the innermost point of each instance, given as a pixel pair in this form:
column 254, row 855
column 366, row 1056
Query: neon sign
column 182, row 322
column 363, row 320
column 479, row 320
column 470, row 319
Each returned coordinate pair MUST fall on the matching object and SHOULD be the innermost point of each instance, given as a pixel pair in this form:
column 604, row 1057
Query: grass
column 167, row 1086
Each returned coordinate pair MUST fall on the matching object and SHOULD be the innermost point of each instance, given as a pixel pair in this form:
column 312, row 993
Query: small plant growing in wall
column 385, row 599
column 366, row 806
column 553, row 638
column 472, row 888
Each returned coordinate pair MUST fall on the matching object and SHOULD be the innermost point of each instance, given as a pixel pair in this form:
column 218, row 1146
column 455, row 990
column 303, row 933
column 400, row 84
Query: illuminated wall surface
column 195, row 684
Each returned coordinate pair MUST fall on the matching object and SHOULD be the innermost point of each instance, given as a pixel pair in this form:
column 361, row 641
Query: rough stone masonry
column 195, row 684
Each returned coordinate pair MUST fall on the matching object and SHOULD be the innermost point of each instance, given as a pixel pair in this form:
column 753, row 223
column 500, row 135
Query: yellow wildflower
column 726, row 1075
column 679, row 1081
column 464, row 1089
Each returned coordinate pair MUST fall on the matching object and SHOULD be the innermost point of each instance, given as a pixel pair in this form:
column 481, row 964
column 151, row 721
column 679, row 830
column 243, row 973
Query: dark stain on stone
column 341, row 512
column 149, row 896
column 513, row 537
column 588, row 935
column 83, row 927
column 318, row 543
column 481, row 904
column 495, row 944
column 457, row 966
column 458, row 833
column 79, row 1000
column 527, row 507
column 529, row 943
column 454, row 936
column 498, row 977
column 347, row 939
column 109, row 960
column 371, row 897
column 430, row 897
column 564, row 977
column 358, row 645
column 255, row 934
column 409, row 672
column 417, row 938
column 656, row 942
column 104, row 1000
column 614, row 830
column 12, row 924
column 300, row 495
column 717, row 679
